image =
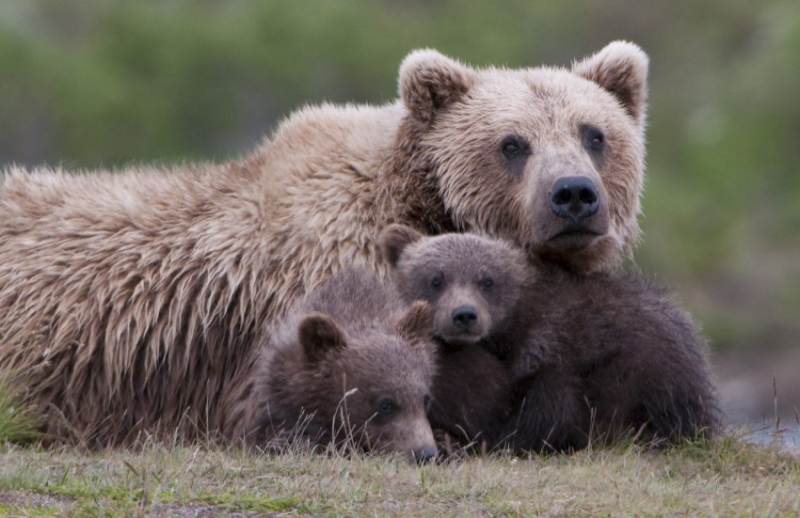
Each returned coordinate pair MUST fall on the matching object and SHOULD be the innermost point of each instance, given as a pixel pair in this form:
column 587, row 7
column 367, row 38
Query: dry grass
column 727, row 478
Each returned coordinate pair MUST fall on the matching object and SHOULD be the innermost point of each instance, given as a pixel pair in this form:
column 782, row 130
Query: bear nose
column 464, row 317
column 426, row 454
column 574, row 198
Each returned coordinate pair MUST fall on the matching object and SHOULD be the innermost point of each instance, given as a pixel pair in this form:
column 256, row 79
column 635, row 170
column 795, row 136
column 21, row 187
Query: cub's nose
column 574, row 198
column 426, row 454
column 465, row 317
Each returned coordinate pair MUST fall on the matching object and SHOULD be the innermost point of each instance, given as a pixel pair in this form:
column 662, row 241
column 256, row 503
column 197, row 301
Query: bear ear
column 318, row 335
column 430, row 81
column 416, row 322
column 621, row 69
column 394, row 239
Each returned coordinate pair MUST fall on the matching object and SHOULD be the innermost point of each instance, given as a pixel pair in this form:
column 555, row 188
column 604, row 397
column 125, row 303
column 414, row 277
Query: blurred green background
column 96, row 83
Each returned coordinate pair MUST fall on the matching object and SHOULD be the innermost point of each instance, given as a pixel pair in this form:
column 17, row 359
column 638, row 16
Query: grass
column 18, row 420
column 726, row 478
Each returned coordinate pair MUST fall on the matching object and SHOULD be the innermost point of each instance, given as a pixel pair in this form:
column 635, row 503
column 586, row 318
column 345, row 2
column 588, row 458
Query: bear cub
column 473, row 285
column 583, row 356
column 351, row 363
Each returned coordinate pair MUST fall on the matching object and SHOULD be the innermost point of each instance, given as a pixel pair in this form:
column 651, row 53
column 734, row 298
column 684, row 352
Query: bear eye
column 387, row 405
column 427, row 402
column 437, row 282
column 593, row 137
column 487, row 283
column 514, row 146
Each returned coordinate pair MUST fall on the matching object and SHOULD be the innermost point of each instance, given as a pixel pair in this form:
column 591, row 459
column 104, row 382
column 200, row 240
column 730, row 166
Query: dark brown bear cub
column 352, row 363
column 608, row 354
column 474, row 285
column 582, row 356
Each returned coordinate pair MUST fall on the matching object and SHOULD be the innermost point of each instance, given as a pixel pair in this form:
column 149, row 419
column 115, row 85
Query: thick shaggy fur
column 606, row 355
column 472, row 398
column 351, row 363
column 131, row 299
column 584, row 355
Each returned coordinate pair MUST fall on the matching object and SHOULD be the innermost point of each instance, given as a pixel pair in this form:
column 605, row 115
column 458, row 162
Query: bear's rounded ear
column 394, row 239
column 621, row 69
column 318, row 334
column 430, row 81
column 416, row 322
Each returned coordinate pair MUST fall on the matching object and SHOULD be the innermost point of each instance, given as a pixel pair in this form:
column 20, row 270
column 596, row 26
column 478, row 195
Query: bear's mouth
column 573, row 238
column 459, row 339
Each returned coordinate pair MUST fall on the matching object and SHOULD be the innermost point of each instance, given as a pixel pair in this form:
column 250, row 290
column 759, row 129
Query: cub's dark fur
column 351, row 363
column 583, row 355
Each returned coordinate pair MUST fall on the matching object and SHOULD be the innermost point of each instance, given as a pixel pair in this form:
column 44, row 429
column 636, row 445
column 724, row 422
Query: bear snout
column 410, row 435
column 425, row 454
column 467, row 321
column 574, row 198
column 464, row 317
column 570, row 215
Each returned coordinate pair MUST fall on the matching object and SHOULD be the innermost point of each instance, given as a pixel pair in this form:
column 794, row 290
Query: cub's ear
column 416, row 322
column 430, row 81
column 621, row 69
column 318, row 335
column 394, row 239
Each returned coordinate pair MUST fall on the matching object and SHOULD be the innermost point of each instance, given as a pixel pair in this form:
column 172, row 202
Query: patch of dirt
column 205, row 511
column 27, row 500
column 24, row 499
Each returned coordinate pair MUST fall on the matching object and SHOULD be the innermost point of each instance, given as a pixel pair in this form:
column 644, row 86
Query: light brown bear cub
column 132, row 300
column 596, row 354
column 352, row 363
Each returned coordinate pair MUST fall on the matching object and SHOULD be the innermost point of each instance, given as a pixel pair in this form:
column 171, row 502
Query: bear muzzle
column 571, row 215
column 425, row 454
column 465, row 324
column 410, row 436
column 575, row 199
column 464, row 317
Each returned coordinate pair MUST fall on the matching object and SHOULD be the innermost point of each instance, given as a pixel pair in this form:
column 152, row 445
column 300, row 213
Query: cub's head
column 472, row 283
column 549, row 158
column 367, row 386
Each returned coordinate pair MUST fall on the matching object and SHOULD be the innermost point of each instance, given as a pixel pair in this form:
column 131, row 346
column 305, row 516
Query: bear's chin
column 459, row 341
column 572, row 241
column 582, row 252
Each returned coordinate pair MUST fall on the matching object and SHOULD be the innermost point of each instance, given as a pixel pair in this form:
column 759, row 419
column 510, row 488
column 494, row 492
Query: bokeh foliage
column 103, row 83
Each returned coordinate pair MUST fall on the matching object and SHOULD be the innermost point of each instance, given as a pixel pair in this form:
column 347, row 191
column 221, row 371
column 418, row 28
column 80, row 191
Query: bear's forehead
column 378, row 352
column 467, row 248
column 533, row 83
column 465, row 255
column 394, row 369
column 542, row 97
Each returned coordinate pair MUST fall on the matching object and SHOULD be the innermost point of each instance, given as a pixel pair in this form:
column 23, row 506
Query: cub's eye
column 437, row 282
column 387, row 405
column 487, row 283
column 427, row 402
column 514, row 146
column 593, row 137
